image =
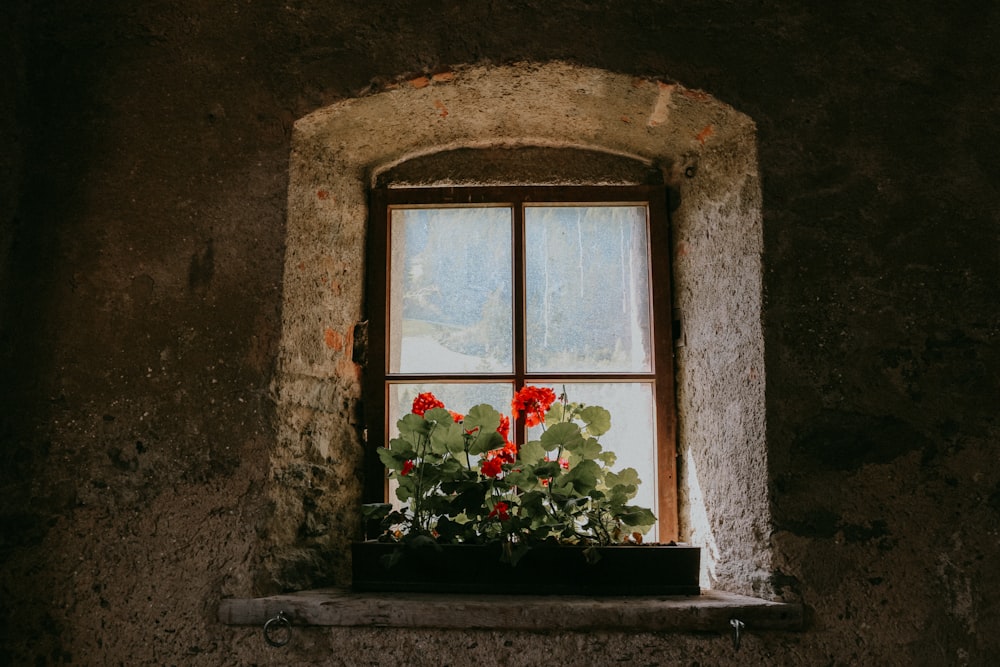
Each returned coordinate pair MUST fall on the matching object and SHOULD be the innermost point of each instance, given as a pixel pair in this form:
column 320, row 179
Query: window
column 475, row 292
column 556, row 124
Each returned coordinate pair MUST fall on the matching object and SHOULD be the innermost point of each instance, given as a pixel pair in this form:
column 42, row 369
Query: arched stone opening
column 527, row 123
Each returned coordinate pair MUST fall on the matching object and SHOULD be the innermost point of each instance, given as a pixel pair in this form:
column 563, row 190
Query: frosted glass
column 632, row 436
column 450, row 291
column 587, row 289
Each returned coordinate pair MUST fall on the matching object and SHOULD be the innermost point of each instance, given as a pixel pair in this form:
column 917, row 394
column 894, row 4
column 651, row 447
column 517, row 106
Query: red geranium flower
column 501, row 511
column 492, row 467
column 509, row 452
column 458, row 417
column 506, row 454
column 407, row 467
column 534, row 402
column 504, row 427
column 424, row 402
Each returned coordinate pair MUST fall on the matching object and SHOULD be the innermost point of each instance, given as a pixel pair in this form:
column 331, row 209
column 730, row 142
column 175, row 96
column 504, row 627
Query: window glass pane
column 450, row 290
column 587, row 284
column 458, row 397
column 632, row 436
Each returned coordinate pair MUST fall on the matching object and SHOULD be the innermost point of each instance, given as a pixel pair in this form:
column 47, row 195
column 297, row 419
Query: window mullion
column 520, row 352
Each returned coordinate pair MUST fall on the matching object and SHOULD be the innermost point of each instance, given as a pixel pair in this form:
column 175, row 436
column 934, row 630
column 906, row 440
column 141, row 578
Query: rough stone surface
column 705, row 149
column 146, row 432
column 709, row 611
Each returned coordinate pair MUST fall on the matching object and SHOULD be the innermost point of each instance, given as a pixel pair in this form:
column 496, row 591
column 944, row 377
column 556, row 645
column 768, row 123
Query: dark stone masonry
column 180, row 353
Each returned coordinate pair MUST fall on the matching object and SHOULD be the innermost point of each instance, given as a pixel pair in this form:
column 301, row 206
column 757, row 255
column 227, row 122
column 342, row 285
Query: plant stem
column 425, row 442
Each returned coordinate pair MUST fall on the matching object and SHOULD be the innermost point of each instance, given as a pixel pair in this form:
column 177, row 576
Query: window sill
column 711, row 611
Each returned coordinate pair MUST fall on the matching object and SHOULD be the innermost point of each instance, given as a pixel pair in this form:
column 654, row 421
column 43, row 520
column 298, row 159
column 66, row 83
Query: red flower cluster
column 508, row 454
column 501, row 511
column 424, row 402
column 492, row 467
column 408, row 466
column 534, row 402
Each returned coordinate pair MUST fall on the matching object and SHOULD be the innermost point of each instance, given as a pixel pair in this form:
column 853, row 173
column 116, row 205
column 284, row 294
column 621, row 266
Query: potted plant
column 550, row 516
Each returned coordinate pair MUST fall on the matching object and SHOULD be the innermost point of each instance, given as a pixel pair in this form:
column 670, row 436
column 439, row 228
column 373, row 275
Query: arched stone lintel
column 554, row 105
column 521, row 163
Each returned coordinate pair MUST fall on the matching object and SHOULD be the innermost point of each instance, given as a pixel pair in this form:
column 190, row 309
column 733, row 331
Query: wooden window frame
column 383, row 199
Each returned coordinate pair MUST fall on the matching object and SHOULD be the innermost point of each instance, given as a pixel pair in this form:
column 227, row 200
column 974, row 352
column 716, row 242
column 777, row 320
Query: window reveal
column 486, row 290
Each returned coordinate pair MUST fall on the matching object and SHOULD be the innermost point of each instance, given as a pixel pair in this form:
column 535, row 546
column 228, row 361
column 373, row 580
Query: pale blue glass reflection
column 450, row 291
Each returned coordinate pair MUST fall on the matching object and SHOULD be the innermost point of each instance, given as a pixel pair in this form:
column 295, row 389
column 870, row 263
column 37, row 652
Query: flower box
column 542, row 570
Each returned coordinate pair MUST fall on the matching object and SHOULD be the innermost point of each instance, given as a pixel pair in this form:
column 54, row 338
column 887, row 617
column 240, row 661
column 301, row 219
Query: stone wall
column 145, row 182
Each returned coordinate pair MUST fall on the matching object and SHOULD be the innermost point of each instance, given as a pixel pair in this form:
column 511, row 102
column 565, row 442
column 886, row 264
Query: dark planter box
column 543, row 570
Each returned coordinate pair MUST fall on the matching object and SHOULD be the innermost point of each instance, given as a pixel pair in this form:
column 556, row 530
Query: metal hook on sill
column 738, row 626
column 278, row 630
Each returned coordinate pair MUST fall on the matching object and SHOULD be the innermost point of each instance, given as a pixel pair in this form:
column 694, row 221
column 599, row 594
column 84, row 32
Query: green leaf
column 597, row 419
column 406, row 489
column 391, row 459
column 588, row 449
column 636, row 516
column 452, row 469
column 448, row 438
column 402, row 448
column 533, row 501
column 429, row 474
column 532, row 452
column 375, row 511
column 448, row 529
column 627, row 476
column 584, row 477
column 554, row 415
column 619, row 494
column 457, row 477
column 485, row 442
column 561, row 488
column 438, row 416
column 546, row 469
column 472, row 500
column 564, row 434
column 412, row 427
column 521, row 479
column 483, row 416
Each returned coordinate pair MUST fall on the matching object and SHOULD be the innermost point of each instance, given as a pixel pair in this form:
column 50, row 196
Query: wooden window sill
column 711, row 611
